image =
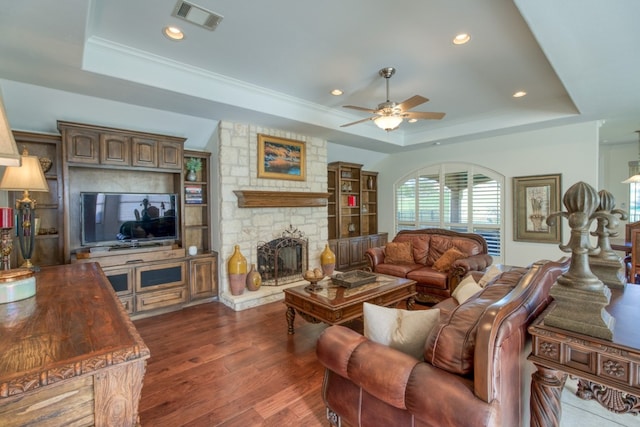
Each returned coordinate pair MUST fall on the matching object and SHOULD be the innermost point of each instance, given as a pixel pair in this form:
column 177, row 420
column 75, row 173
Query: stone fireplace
column 247, row 224
column 284, row 259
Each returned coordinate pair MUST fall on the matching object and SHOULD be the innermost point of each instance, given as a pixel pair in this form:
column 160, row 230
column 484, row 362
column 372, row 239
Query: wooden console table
column 70, row 355
column 609, row 371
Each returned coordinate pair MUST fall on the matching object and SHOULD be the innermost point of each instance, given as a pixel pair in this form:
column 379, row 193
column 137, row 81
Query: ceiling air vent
column 196, row 15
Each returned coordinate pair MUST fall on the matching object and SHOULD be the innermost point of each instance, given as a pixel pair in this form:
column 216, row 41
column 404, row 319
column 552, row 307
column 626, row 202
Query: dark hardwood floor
column 211, row 366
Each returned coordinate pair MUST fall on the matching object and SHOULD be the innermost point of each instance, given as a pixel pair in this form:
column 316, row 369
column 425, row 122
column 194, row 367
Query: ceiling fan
column 389, row 114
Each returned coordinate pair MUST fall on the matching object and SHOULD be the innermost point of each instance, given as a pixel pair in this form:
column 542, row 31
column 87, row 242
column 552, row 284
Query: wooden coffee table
column 336, row 305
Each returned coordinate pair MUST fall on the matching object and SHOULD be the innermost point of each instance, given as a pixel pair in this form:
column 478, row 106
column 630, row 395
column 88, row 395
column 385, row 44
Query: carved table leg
column 546, row 388
column 291, row 315
column 411, row 301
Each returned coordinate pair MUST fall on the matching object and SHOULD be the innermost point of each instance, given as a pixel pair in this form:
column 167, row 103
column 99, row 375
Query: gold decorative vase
column 327, row 261
column 254, row 280
column 237, row 269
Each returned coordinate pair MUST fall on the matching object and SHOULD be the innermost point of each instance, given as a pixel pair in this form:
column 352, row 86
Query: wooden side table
column 609, row 371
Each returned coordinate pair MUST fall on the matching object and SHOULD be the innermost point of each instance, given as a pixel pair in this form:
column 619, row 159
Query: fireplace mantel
column 280, row 199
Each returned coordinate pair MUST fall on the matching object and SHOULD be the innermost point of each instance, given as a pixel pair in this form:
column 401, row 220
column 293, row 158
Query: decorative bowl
column 313, row 277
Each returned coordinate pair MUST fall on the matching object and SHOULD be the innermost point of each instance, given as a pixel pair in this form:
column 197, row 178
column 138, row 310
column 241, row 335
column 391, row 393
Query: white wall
column 614, row 168
column 570, row 150
column 368, row 159
column 37, row 109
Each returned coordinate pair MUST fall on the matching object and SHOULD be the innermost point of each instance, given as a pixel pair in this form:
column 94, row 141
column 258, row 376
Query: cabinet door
column 145, row 152
column 203, row 277
column 115, row 150
column 82, row 146
column 120, row 279
column 342, row 255
column 169, row 155
column 165, row 275
column 357, row 247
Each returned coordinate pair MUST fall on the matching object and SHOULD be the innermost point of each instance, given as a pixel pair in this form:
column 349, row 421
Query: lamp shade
column 29, row 176
column 632, row 179
column 9, row 154
column 388, row 122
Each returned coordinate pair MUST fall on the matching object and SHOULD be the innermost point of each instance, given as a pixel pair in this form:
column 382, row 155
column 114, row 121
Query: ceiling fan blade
column 423, row 115
column 353, row 107
column 412, row 102
column 359, row 121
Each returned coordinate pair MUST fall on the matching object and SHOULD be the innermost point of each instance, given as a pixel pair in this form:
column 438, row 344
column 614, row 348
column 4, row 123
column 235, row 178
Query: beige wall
column 571, row 150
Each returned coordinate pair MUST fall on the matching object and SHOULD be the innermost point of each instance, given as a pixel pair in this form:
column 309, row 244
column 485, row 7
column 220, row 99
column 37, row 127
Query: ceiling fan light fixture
column 388, row 123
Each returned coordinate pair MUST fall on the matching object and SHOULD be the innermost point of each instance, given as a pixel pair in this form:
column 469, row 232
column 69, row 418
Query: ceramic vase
column 237, row 269
column 327, row 261
column 191, row 176
column 254, row 280
column 370, row 183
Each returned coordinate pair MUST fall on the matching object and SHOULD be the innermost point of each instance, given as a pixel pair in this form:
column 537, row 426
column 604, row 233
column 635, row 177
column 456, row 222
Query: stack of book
column 193, row 194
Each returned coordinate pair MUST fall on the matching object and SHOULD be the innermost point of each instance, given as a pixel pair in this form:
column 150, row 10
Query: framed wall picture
column 280, row 158
column 534, row 199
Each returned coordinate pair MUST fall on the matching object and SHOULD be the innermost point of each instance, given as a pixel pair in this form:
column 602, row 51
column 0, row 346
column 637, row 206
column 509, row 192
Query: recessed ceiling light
column 336, row 92
column 461, row 38
column 173, row 33
column 519, row 94
column 412, row 120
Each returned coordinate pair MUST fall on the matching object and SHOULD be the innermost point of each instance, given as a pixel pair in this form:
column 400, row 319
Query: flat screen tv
column 109, row 219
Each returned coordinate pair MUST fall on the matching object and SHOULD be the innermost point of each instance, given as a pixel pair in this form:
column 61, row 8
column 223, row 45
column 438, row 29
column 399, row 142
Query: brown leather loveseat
column 472, row 372
column 428, row 248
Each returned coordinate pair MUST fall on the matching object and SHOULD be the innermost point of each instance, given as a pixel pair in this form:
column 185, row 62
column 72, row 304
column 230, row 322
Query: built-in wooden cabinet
column 352, row 213
column 102, row 146
column 203, row 276
column 350, row 251
column 196, row 207
column 147, row 280
column 49, row 248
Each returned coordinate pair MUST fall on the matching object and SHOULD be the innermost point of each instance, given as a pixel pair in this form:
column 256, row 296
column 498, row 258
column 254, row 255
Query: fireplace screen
column 282, row 260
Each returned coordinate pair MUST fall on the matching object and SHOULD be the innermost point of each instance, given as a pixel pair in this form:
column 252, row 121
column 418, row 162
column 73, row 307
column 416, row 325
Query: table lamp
column 6, row 244
column 25, row 178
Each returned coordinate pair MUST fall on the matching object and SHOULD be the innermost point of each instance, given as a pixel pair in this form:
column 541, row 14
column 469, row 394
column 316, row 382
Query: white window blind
column 464, row 198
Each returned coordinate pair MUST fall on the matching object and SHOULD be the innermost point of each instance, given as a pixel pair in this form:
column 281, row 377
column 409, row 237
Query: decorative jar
column 254, row 280
column 327, row 260
column 237, row 269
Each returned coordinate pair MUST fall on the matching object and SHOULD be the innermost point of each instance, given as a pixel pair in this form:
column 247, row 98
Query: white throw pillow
column 404, row 330
column 466, row 289
column 489, row 275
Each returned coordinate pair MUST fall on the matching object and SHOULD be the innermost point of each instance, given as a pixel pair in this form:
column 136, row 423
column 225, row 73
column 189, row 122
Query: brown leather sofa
column 428, row 245
column 475, row 359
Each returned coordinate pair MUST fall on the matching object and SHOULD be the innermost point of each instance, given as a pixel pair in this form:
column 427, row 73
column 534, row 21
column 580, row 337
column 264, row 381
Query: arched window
column 454, row 196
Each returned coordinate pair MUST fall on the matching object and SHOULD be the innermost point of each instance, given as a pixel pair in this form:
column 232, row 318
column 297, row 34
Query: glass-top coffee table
column 336, row 304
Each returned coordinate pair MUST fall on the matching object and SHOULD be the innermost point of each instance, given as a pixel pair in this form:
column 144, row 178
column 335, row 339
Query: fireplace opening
column 284, row 259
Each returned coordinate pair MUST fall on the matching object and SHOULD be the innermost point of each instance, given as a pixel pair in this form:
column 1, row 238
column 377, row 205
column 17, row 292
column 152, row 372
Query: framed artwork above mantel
column 534, row 199
column 280, row 158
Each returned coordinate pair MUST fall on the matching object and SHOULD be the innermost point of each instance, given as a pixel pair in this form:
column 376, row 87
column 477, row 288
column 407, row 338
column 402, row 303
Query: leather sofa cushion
column 436, row 279
column 451, row 345
column 444, row 262
column 397, row 270
column 419, row 244
column 398, row 253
